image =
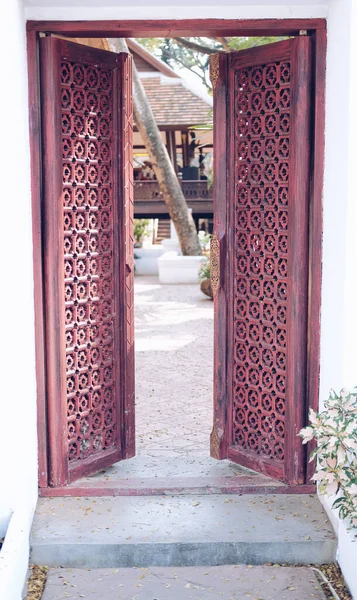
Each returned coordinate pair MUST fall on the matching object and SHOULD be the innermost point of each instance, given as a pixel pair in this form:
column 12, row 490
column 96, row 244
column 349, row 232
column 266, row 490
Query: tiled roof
column 173, row 104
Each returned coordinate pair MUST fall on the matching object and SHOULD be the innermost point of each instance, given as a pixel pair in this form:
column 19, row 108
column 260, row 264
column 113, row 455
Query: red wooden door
column 87, row 191
column 260, row 251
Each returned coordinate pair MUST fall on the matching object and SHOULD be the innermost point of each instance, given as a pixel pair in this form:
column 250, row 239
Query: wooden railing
column 192, row 190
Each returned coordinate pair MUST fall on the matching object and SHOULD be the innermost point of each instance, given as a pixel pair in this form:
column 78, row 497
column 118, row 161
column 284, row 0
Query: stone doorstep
column 176, row 486
column 147, row 531
column 170, row 476
column 184, row 583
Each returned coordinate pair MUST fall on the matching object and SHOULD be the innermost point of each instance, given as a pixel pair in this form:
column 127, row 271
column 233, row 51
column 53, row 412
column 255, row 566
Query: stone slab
column 170, row 467
column 184, row 583
column 181, row 531
column 162, row 475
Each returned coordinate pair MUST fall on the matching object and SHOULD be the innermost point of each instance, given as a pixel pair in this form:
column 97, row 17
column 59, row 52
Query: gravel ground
column 174, row 368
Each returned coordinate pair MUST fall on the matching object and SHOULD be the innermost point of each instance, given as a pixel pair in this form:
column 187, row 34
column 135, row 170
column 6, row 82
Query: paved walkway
column 174, row 369
column 184, row 583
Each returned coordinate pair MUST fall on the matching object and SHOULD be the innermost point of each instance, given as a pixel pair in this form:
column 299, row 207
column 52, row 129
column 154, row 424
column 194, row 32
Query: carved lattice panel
column 88, row 217
column 261, row 290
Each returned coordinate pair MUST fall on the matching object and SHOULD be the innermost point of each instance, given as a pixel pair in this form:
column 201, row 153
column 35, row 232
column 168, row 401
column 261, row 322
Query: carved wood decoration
column 266, row 279
column 214, row 69
column 88, row 221
column 215, row 271
column 262, row 136
column 89, row 209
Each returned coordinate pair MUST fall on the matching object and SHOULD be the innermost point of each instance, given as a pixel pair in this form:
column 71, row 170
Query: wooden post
column 168, row 144
column 184, row 141
column 174, row 149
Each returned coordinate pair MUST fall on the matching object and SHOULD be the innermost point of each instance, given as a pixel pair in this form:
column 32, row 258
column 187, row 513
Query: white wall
column 164, row 9
column 18, row 463
column 339, row 314
column 339, row 320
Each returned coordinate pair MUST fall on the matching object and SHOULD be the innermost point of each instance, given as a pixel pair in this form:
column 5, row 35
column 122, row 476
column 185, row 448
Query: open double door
column 259, row 256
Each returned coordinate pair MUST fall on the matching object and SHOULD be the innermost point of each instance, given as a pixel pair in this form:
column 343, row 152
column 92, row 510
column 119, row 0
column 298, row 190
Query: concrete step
column 163, row 230
column 184, row 583
column 181, row 530
column 171, row 475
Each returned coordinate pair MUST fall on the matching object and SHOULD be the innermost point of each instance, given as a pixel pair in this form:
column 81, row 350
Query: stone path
column 174, row 369
column 184, row 583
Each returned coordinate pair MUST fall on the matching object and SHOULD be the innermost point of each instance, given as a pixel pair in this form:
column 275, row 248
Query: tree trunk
column 162, row 165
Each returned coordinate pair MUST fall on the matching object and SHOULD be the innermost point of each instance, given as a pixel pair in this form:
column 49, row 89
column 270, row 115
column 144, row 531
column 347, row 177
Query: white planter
column 171, row 245
column 146, row 263
column 174, row 268
column 14, row 557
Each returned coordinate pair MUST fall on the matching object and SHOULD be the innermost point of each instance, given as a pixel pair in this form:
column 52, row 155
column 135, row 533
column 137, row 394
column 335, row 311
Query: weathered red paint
column 219, row 435
column 36, row 192
column 177, row 28
column 86, row 113
column 266, row 276
column 319, row 41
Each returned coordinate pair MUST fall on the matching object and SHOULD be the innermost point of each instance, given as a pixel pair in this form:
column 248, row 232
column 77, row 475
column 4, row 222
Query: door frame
column 316, row 28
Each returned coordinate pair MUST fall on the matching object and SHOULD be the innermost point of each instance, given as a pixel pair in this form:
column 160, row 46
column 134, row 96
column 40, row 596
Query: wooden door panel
column 87, row 122
column 266, row 276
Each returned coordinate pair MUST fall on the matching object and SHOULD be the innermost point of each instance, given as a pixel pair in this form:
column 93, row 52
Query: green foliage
column 242, row 43
column 335, row 432
column 151, row 44
column 178, row 56
column 205, row 270
column 141, row 229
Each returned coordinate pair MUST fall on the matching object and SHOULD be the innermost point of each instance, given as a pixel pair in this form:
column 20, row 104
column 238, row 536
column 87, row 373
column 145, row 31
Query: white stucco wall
column 18, row 462
column 339, row 315
column 166, row 9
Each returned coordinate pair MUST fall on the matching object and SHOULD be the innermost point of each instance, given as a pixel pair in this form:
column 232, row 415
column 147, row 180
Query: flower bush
column 141, row 229
column 205, row 270
column 204, row 239
column 335, row 432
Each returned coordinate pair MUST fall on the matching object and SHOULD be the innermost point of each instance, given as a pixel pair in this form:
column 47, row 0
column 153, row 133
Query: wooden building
column 183, row 115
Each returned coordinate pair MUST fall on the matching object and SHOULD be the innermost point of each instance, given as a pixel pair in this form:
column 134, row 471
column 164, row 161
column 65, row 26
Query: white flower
column 341, row 454
column 307, row 434
column 333, row 441
column 314, row 419
column 350, row 403
column 335, row 430
column 320, row 475
column 350, row 443
column 331, row 462
column 351, row 428
column 331, row 488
